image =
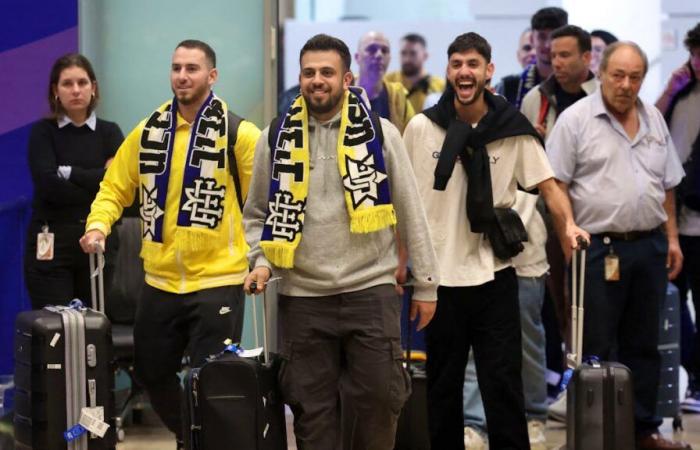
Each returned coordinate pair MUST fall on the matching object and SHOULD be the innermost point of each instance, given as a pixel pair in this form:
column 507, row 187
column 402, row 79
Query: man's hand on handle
column 91, row 240
column 256, row 280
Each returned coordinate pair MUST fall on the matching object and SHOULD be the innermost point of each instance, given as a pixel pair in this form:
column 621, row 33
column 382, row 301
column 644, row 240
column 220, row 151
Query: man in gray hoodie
column 330, row 182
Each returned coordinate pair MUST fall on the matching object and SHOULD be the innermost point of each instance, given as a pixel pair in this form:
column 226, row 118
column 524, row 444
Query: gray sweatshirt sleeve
column 255, row 208
column 412, row 222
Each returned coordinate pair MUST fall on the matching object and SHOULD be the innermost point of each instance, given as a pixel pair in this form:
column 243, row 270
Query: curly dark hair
column 692, row 39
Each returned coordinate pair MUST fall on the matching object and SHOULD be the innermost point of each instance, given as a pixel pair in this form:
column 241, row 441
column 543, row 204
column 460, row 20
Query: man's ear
column 213, row 76
column 347, row 80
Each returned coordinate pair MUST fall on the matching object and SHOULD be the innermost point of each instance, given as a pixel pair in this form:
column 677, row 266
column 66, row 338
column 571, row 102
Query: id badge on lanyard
column 44, row 244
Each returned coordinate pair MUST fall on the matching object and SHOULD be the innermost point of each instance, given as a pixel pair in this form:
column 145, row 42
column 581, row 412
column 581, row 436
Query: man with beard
column 412, row 74
column 191, row 161
column 329, row 184
column 387, row 98
column 478, row 294
column 613, row 155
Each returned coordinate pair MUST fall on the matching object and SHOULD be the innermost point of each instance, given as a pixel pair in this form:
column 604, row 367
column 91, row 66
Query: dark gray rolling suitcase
column 668, row 399
column 63, row 366
column 412, row 429
column 235, row 400
column 600, row 397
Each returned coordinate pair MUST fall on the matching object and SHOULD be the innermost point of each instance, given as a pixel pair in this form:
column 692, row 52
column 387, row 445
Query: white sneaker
column 473, row 439
column 557, row 409
column 535, row 430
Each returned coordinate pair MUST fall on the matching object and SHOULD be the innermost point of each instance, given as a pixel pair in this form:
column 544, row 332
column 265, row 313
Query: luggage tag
column 92, row 419
column 44, row 244
column 612, row 264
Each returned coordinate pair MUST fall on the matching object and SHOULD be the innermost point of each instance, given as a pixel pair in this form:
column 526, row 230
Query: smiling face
column 74, row 91
column 468, row 73
column 323, row 81
column 191, row 76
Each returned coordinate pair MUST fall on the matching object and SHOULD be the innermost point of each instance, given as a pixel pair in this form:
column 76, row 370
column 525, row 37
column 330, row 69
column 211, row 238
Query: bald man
column 388, row 99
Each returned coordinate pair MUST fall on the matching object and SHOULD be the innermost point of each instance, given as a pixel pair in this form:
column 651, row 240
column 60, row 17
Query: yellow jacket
column 173, row 268
column 417, row 94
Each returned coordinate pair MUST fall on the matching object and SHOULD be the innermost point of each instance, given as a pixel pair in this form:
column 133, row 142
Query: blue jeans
column 531, row 297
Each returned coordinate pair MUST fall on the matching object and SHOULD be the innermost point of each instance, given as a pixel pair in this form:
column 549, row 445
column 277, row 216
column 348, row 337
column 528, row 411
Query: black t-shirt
column 565, row 99
column 85, row 150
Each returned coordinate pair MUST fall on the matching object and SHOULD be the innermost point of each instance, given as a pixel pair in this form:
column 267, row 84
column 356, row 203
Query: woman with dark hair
column 69, row 152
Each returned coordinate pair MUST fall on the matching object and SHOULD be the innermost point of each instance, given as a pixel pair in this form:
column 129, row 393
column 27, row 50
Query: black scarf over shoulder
column 501, row 121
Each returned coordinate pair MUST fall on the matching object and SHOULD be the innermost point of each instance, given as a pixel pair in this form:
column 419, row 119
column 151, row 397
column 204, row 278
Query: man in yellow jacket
column 191, row 187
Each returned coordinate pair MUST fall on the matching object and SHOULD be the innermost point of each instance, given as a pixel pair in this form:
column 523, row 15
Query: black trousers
column 624, row 314
column 67, row 275
column 166, row 325
column 487, row 318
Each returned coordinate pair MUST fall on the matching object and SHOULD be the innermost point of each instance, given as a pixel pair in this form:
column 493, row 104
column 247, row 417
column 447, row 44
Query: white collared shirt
column 615, row 183
column 91, row 121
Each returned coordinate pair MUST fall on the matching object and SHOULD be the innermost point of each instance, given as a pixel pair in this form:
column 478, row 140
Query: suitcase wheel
column 678, row 423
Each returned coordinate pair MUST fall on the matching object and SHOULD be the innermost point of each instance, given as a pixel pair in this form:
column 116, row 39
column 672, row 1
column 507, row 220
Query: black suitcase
column 235, row 400
column 668, row 399
column 600, row 396
column 62, row 364
column 412, row 430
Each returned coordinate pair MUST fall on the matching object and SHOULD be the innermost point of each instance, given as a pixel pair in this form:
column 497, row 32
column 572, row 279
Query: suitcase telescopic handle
column 578, row 279
column 253, row 288
column 97, row 286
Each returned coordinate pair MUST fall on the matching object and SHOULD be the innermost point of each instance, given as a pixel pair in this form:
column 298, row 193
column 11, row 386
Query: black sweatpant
column 167, row 324
column 487, row 318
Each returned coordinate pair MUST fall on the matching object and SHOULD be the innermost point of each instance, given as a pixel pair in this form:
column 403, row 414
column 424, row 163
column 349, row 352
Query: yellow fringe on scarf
column 374, row 219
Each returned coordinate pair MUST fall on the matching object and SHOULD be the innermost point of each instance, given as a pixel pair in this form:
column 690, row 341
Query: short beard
column 410, row 70
column 325, row 107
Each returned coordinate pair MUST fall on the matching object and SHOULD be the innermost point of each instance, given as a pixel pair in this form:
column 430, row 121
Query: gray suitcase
column 600, row 396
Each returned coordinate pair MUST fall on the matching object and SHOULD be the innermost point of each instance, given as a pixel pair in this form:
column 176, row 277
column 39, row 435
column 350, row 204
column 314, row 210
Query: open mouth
column 466, row 87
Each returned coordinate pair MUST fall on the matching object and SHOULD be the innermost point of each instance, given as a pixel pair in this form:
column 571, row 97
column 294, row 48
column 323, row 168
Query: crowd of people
column 480, row 192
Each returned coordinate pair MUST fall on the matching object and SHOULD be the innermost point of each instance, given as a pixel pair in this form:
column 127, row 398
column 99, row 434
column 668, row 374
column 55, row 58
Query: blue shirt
column 615, row 183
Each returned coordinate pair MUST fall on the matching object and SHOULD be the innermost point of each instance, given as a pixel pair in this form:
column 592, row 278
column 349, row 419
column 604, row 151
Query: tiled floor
column 152, row 435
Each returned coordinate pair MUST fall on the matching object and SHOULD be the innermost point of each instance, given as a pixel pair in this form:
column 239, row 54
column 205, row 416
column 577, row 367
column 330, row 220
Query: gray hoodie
column 330, row 259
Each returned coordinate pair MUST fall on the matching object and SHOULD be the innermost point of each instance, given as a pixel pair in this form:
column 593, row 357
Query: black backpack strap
column 234, row 122
column 272, row 132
